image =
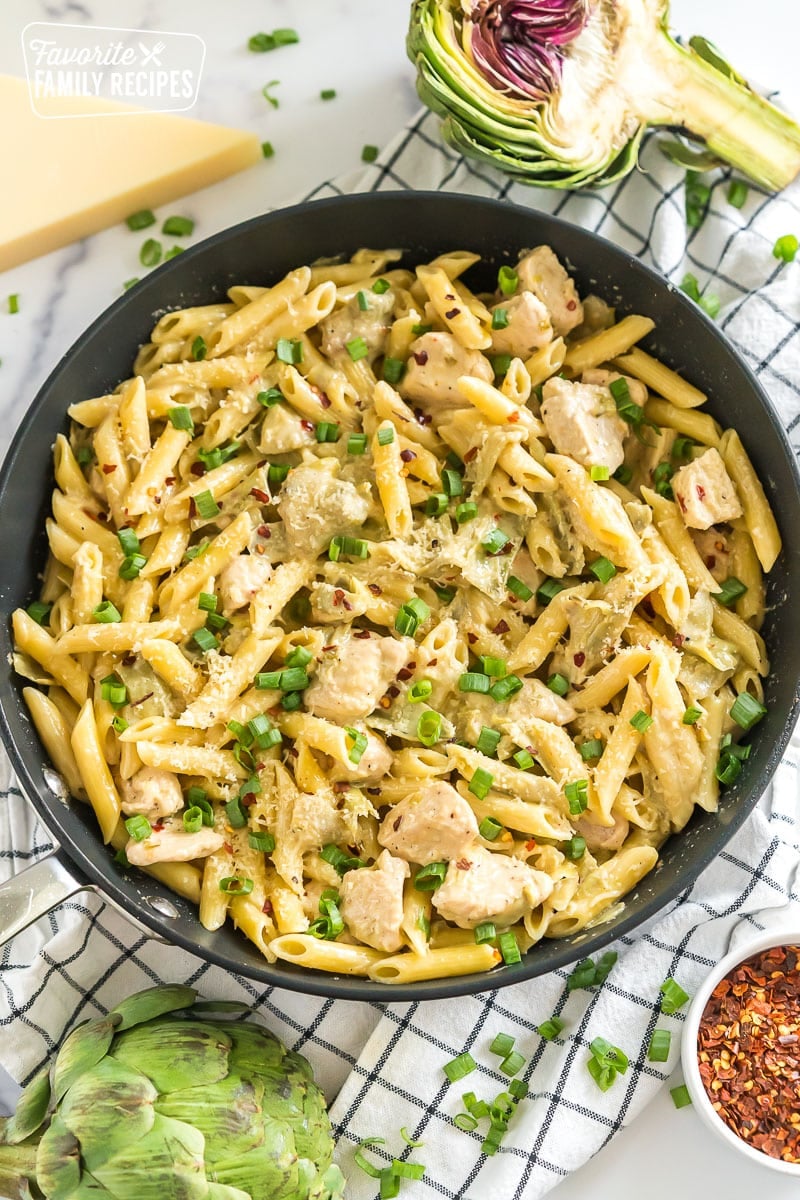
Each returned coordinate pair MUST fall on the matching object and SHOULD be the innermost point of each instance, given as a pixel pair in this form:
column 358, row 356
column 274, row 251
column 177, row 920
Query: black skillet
column 260, row 251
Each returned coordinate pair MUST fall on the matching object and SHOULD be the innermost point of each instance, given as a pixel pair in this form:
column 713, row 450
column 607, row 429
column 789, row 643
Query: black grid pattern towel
column 383, row 1063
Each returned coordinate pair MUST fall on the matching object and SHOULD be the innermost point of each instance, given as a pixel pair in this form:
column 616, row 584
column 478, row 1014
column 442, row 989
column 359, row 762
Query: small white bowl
column 691, row 1070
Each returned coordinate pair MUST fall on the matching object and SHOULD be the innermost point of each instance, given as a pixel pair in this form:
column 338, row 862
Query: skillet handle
column 34, row 892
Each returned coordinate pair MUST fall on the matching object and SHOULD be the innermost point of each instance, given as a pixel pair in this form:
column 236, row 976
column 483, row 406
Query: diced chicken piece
column 431, row 824
column 582, row 422
column 316, row 506
column 535, row 699
column 705, row 492
column 437, row 361
column 350, row 322
column 152, row 793
column 352, row 678
column 602, row 378
column 540, row 272
column 528, row 326
column 283, row 430
column 173, row 844
column 484, row 886
column 375, row 762
column 241, row 579
column 713, row 548
column 372, row 902
column 603, row 837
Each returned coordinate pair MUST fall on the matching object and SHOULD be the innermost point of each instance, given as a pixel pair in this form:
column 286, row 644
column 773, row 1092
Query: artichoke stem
column 735, row 123
column 17, row 1170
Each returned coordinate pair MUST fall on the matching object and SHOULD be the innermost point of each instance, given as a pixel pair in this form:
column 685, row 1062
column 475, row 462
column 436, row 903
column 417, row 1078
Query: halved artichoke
column 154, row 1100
column 560, row 92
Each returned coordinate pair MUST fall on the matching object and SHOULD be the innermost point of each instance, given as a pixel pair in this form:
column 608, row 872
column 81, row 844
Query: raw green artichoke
column 560, row 92
column 155, row 1102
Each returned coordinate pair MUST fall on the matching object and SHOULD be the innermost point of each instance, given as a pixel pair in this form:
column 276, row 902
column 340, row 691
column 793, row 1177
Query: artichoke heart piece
column 560, row 94
column 152, row 1102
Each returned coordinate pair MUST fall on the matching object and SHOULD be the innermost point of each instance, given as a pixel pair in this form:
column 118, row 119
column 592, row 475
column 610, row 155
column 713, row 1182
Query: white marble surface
column 356, row 47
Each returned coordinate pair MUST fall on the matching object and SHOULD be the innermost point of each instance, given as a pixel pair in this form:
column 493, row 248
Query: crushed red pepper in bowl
column 746, row 1051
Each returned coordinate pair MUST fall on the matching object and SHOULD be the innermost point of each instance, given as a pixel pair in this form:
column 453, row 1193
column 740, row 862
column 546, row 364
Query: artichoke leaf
column 166, row 1164
column 81, row 1051
column 270, row 1172
column 31, row 1110
column 89, row 1189
column 334, row 1183
column 58, row 1165
column 153, row 1002
column 218, row 1006
column 228, row 1114
column 255, row 1051
column 176, row 1054
column 222, row 1191
column 124, row 1116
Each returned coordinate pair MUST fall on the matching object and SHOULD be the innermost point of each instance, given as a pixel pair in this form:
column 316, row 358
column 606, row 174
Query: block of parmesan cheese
column 75, row 173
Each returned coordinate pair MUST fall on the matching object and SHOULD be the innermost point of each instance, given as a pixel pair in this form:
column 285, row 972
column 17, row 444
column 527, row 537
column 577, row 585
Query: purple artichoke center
column 519, row 44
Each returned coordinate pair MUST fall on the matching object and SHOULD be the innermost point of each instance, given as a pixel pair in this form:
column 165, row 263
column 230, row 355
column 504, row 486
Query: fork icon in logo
column 151, row 54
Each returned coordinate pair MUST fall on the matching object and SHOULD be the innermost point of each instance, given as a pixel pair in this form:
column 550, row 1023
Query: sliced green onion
column 673, row 997
column 465, row 1122
column 592, row 749
column 599, row 474
column 207, row 602
column 786, row 248
column 380, row 286
column 494, row 542
column 518, row 1089
column 623, row 475
column 357, row 443
column 662, row 474
column 640, row 721
column 264, row 842
column 407, row 1170
column 393, row 368
column 300, row 656
column 697, row 198
column 730, row 589
column 138, row 828
column 500, row 364
column 270, row 397
column 411, row 615
column 409, row 1141
column 550, row 1029
column 340, row 861
column 266, row 92
column 500, row 318
column 114, row 691
column 83, row 456
column 558, row 684
column 467, row 511
column 131, row 566
column 523, row 759
column 193, row 820
column 430, row 877
column 604, row 964
column 575, row 848
column 658, row 1050
column 419, row 330
column 118, row 723
column 294, row 679
column 259, row 43
column 507, row 280
column 503, row 689
column 584, row 975
column 129, row 283
column 263, row 732
column 420, row 691
column 266, row 680
column 453, row 485
column 363, row 301
column 502, row 1044
column 436, row 504
column 355, row 752
column 151, row 253
column 737, row 193
column 680, row 1096
column 173, row 252
column 488, row 741
column 128, row 541
column 326, row 431
column 199, row 348
column 496, row 667
column 728, row 769
column 518, row 588
column 490, row 829
column 603, row 569
column 106, row 613
column 366, row 1166
column 445, row 594
column 485, row 932
column 508, row 947
column 577, row 794
column 548, row 590
column 473, row 681
column 514, row 1063
column 609, row 1055
column 692, row 715
column 236, row 885
column 204, row 640
column 369, row 153
column 357, row 349
column 603, row 1075
column 289, row 350
column 390, row 1185
column 746, row 711
column 178, row 226
column 140, row 220
column 386, row 436
column 429, row 727
column 690, row 287
column 195, row 796
column 291, row 701
column 206, row 505
column 353, row 547
column 461, row 1065
column 682, row 448
column 481, row 783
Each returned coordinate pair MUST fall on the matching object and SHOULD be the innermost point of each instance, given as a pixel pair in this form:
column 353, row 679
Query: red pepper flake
column 307, row 425
column 170, row 480
column 452, row 312
column 109, row 468
column 463, row 864
column 375, row 589
column 421, row 417
column 362, row 633
column 197, row 469
column 263, row 531
column 261, row 497
column 571, row 305
column 472, row 638
column 501, row 627
column 192, row 508
column 227, row 847
column 404, row 673
column 158, row 826
column 432, row 662
column 513, row 418
column 420, row 357
column 323, row 399
column 393, row 692
column 678, row 640
column 266, row 908
column 530, row 844
column 470, row 454
column 679, row 498
column 407, row 455
column 326, row 648
column 747, row 1055
column 341, row 785
column 701, row 491
column 579, row 659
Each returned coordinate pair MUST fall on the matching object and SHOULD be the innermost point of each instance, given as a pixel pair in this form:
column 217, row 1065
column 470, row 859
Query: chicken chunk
column 241, row 579
column 484, row 886
column 284, row 431
column 581, row 421
column 528, row 326
column 152, row 793
column 173, row 844
column 540, row 272
column 315, row 506
column 431, row 824
column 603, row 837
column 351, row 321
column 372, row 902
column 352, row 678
column 375, row 762
column 602, row 378
column 705, row 492
column 436, row 363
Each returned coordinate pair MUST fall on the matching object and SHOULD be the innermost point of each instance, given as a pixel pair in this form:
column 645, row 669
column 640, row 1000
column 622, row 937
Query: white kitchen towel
column 382, row 1063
